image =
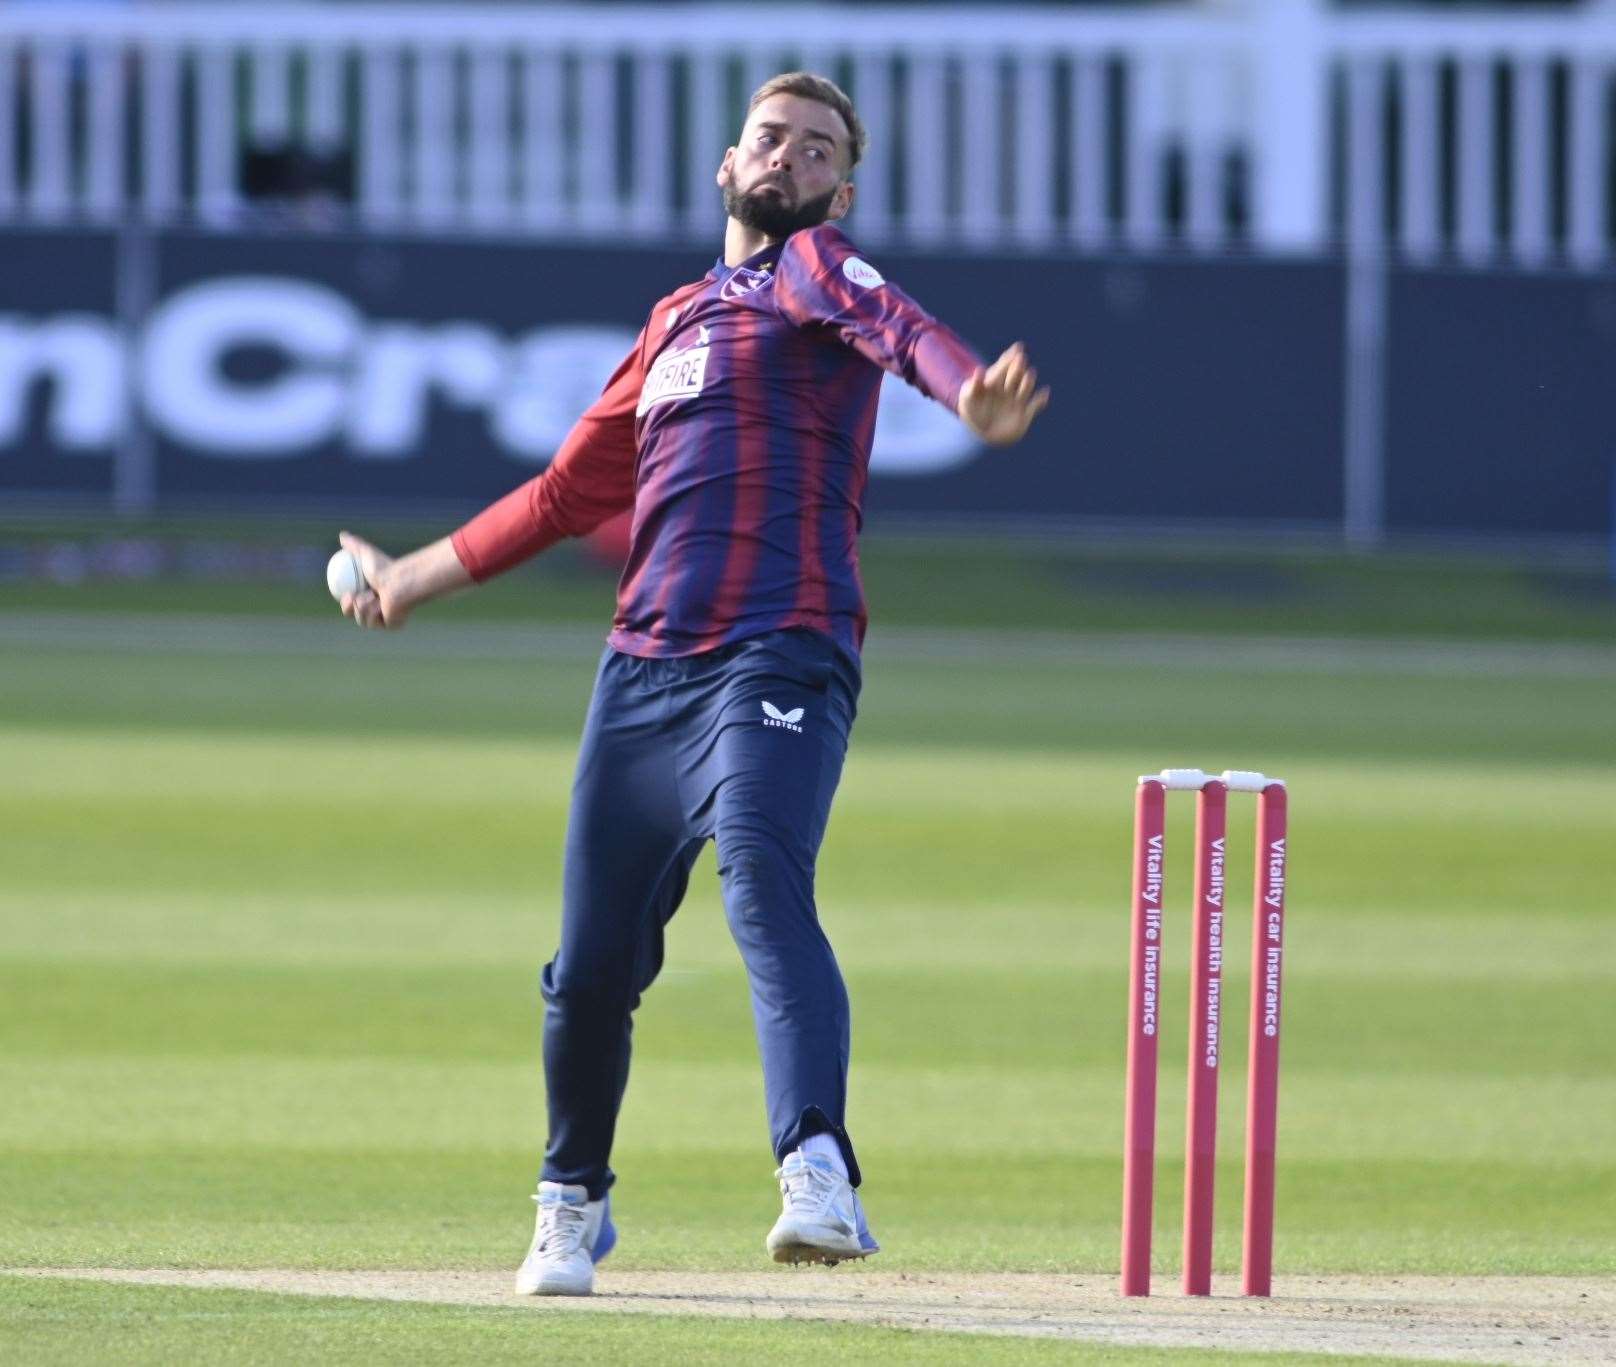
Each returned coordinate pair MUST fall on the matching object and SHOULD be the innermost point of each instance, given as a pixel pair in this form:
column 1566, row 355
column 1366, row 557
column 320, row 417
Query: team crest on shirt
column 679, row 373
column 743, row 282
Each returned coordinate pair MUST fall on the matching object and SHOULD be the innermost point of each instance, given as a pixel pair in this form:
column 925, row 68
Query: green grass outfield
column 66, row 1323
column 271, row 920
column 1073, row 582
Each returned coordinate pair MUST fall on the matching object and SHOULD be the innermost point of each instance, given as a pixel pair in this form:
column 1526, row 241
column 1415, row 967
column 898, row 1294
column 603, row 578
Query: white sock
column 824, row 1146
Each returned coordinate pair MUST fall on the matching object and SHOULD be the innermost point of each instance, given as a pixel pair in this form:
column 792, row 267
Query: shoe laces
column 809, row 1187
column 562, row 1226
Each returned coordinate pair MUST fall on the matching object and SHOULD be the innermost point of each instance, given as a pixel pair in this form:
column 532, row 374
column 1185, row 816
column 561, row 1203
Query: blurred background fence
column 1292, row 266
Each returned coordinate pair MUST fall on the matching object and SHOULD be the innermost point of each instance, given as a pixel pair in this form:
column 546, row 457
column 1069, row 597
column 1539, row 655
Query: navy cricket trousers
column 742, row 745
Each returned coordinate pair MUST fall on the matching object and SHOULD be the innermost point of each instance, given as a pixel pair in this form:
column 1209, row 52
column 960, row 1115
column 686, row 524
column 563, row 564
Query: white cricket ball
column 343, row 575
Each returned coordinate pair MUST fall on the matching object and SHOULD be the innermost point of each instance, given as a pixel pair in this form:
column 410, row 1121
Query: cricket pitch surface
column 1525, row 1320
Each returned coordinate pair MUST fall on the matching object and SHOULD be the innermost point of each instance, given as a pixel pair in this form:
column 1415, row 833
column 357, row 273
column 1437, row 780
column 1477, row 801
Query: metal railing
column 1279, row 125
column 1480, row 140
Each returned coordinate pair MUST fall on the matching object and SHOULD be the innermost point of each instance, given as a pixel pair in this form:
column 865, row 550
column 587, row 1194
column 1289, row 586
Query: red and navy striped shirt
column 739, row 430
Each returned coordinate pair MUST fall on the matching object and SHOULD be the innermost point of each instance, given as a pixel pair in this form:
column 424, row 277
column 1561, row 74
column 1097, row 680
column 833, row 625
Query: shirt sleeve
column 822, row 280
column 590, row 480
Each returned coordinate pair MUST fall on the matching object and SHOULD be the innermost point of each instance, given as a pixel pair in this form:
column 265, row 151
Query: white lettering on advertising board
column 324, row 374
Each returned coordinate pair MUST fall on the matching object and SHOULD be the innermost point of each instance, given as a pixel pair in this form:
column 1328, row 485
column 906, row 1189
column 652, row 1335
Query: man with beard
column 738, row 429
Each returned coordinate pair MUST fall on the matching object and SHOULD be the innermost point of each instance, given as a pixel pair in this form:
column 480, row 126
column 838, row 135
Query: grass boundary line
column 246, row 634
column 1509, row 1320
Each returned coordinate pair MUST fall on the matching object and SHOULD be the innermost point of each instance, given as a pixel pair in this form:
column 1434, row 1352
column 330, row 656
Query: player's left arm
column 822, row 280
column 999, row 402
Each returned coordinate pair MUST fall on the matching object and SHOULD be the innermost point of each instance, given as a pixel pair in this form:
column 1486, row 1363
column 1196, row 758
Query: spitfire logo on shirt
column 679, row 373
column 743, row 282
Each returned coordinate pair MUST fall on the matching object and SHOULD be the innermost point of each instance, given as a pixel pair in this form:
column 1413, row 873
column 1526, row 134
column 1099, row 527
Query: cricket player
column 738, row 430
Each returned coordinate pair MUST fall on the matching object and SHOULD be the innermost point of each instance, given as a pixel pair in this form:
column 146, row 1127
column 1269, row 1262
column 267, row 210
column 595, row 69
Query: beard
column 775, row 215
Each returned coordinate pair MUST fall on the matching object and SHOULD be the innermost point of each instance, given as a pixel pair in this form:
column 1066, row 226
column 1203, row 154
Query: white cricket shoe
column 822, row 1220
column 572, row 1234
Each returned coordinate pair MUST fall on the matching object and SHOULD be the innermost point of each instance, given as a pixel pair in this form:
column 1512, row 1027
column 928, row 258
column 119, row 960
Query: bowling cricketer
column 738, row 430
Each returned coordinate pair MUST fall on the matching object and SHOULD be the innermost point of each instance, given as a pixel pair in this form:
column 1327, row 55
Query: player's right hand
column 382, row 602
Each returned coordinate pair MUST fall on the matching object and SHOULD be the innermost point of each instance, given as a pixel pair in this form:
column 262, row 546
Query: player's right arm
column 590, row 480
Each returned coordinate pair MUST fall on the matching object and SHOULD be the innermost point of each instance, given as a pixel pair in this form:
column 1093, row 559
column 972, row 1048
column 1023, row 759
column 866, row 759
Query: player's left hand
column 1000, row 402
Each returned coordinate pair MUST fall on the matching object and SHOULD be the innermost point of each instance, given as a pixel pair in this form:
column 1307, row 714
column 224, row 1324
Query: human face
column 787, row 170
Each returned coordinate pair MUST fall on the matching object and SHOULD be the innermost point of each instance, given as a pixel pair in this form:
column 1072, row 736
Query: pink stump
column 1144, row 996
column 1267, row 949
column 1206, row 997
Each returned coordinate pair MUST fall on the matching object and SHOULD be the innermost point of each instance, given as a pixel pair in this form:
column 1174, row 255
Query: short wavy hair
column 825, row 91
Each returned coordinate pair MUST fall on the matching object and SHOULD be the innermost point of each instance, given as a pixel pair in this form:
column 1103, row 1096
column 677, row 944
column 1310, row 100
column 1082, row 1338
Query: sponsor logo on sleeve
column 861, row 272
